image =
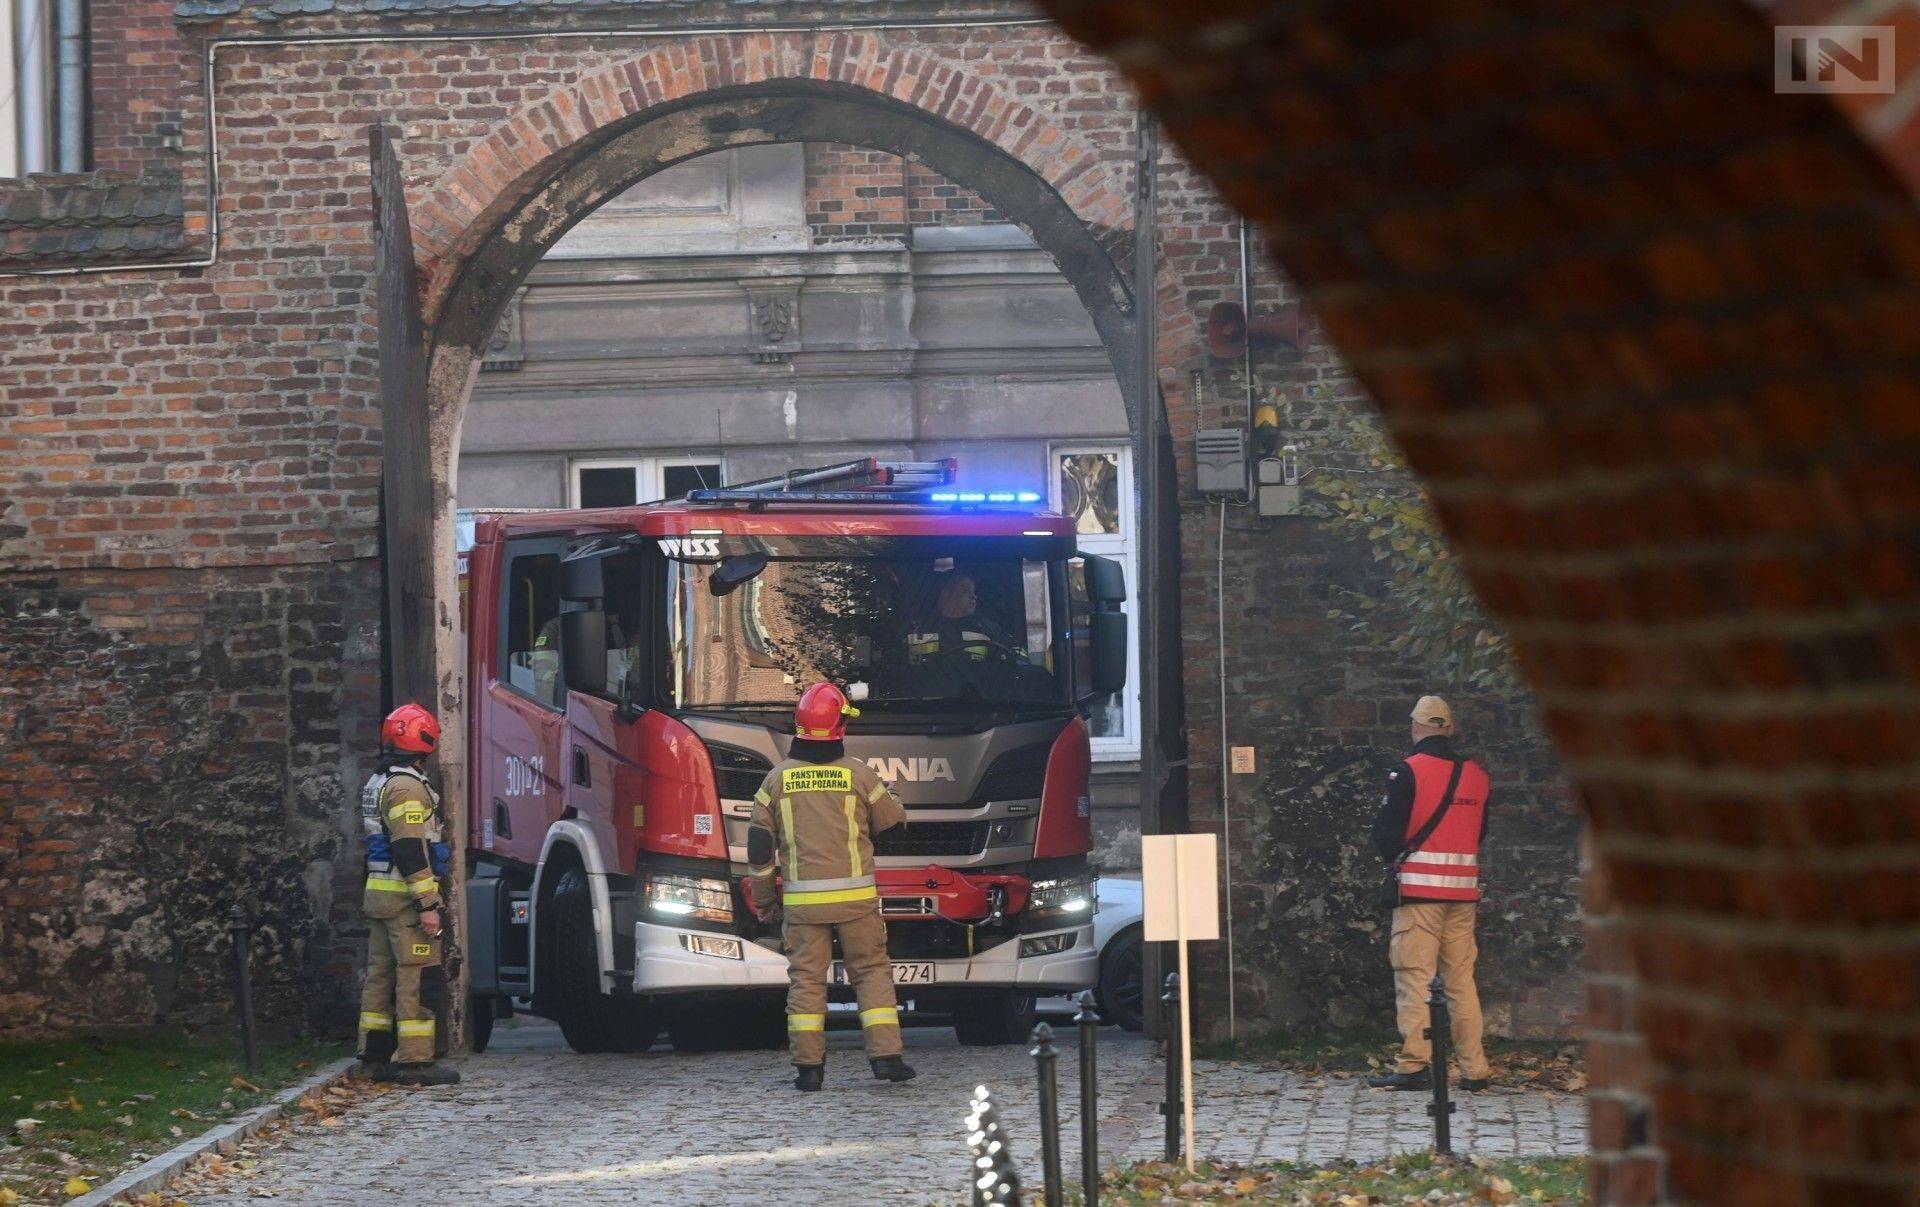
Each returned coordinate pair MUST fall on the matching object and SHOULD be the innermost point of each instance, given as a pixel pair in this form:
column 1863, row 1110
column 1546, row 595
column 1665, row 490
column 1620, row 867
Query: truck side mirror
column 583, row 577
column 735, row 571
column 1106, row 581
column 583, row 649
column 1107, row 648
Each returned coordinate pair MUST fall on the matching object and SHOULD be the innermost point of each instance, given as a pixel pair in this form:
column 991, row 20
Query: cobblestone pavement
column 535, row 1124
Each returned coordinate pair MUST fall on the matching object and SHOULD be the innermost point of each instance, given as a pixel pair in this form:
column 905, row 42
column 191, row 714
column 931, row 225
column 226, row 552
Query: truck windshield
column 921, row 635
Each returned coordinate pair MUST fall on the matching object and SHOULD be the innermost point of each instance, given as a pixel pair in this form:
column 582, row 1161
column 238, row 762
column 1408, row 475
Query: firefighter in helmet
column 400, row 813
column 813, row 822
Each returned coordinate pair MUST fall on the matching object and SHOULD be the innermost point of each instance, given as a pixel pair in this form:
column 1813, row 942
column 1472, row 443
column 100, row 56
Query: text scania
column 914, row 771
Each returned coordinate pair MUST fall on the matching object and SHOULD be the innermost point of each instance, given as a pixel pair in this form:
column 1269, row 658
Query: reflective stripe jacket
column 1447, row 865
column 816, row 823
column 400, row 804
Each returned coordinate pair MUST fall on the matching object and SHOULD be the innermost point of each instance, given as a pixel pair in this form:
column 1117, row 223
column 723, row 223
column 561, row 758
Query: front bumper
column 663, row 964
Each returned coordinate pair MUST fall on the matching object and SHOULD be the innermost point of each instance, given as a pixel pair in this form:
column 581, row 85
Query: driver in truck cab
column 956, row 628
column 810, row 852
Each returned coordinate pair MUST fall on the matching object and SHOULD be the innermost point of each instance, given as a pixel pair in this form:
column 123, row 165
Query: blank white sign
column 1180, row 886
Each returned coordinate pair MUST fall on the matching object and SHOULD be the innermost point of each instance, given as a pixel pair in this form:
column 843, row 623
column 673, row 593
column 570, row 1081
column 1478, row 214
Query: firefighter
column 400, row 813
column 814, row 819
column 957, row 630
column 1429, row 831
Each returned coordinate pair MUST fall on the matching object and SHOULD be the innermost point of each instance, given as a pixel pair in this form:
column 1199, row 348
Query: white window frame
column 649, row 472
column 1121, row 547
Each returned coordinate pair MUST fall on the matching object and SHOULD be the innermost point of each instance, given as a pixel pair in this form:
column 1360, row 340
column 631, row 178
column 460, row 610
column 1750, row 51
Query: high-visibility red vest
column 1447, row 865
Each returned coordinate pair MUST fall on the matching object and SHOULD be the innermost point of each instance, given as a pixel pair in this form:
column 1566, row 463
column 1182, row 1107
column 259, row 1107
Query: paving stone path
column 535, row 1124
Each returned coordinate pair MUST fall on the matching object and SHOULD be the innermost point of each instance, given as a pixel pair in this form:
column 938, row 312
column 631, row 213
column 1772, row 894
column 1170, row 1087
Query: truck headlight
column 1070, row 899
column 690, row 897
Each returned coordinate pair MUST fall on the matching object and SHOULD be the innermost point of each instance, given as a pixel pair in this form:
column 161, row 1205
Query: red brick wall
column 137, row 81
column 857, row 193
column 1638, row 321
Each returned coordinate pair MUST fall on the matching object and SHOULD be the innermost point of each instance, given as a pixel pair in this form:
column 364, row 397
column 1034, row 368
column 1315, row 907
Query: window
column 641, row 479
column 1092, row 485
column 38, row 132
column 531, row 642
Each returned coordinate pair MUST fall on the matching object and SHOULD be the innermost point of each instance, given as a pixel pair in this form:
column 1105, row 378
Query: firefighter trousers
column 403, row 990
column 863, row 946
column 1432, row 936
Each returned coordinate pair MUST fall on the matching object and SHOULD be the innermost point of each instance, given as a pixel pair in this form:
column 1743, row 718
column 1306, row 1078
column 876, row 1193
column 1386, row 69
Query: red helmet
column 410, row 728
column 822, row 713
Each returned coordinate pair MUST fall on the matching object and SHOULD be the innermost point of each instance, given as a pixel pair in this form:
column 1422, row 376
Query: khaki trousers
column 863, row 945
column 1430, row 937
column 403, row 987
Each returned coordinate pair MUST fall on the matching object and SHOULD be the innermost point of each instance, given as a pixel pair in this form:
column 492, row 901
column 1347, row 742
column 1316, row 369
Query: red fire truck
column 632, row 674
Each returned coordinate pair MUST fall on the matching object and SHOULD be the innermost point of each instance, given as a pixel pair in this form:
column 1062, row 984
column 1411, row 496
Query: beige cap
column 1434, row 711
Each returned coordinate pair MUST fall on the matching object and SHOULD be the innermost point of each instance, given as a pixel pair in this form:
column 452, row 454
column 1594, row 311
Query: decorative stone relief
column 773, row 323
column 507, row 350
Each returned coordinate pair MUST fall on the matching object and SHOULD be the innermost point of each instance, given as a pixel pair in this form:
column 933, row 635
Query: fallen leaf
column 76, row 1187
column 124, row 1120
column 26, row 1127
column 332, row 1121
column 177, row 1130
column 74, row 1104
column 1246, row 1185
column 9, row 1197
column 241, row 1083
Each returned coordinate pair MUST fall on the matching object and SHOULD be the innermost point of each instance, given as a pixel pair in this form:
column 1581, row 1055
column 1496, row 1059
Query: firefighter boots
column 892, row 1068
column 423, row 1075
column 1401, row 1081
column 809, row 1078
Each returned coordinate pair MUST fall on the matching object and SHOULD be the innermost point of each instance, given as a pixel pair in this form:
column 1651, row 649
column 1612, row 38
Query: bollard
column 1170, row 1105
column 240, row 931
column 1439, row 1032
column 1089, row 1101
column 1047, row 1060
column 993, row 1179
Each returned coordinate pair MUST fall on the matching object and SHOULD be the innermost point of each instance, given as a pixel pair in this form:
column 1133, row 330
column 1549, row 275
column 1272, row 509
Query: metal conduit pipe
column 210, row 153
column 70, row 90
column 9, row 121
column 32, row 44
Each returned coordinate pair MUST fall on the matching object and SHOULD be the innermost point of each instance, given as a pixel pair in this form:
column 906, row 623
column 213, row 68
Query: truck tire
column 1122, row 980
column 987, row 1019
column 479, row 1023
column 590, row 1020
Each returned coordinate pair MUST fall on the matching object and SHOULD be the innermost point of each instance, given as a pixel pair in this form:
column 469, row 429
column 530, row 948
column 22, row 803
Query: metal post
column 1439, row 1030
column 1170, row 1105
column 240, row 931
column 1047, row 1059
column 993, row 1178
column 33, row 88
column 1089, row 1100
column 1147, row 419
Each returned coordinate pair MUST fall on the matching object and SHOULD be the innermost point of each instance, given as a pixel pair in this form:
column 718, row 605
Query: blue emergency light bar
column 864, row 482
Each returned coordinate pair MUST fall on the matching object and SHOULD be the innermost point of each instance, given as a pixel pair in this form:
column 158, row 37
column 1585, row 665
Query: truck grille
column 737, row 773
column 933, row 838
column 1016, row 775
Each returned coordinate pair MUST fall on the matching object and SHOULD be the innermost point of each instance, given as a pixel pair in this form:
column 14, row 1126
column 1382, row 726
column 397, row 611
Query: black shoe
column 809, row 1078
column 892, row 1068
column 1402, row 1081
column 372, row 1070
column 1473, row 1085
column 423, row 1074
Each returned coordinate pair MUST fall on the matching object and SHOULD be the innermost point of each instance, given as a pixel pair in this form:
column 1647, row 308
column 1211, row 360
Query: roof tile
column 81, row 218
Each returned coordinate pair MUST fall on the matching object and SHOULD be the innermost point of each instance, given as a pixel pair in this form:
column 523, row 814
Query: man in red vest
column 1430, row 828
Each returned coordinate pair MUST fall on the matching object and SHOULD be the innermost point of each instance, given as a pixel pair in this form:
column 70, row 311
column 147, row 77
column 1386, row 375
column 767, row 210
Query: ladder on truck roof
column 867, row 480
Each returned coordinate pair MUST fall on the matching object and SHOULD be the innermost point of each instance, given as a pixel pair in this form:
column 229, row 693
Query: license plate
column 917, row 972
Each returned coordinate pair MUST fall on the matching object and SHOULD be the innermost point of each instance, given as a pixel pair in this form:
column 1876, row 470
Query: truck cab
column 633, row 674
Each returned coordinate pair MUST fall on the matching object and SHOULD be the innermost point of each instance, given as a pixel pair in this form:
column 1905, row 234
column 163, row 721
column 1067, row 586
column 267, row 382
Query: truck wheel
column 479, row 1023
column 591, row 1021
column 985, row 1019
column 1122, row 980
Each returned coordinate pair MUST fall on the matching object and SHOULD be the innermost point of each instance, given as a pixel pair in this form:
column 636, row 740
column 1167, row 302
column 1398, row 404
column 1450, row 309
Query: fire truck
column 632, row 674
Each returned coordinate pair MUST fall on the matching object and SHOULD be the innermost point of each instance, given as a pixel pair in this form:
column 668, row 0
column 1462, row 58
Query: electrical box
column 1273, row 493
column 1220, row 461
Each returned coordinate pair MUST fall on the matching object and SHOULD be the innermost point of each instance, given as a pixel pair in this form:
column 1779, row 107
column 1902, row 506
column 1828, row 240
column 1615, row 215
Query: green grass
column 1415, row 1177
column 100, row 1101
